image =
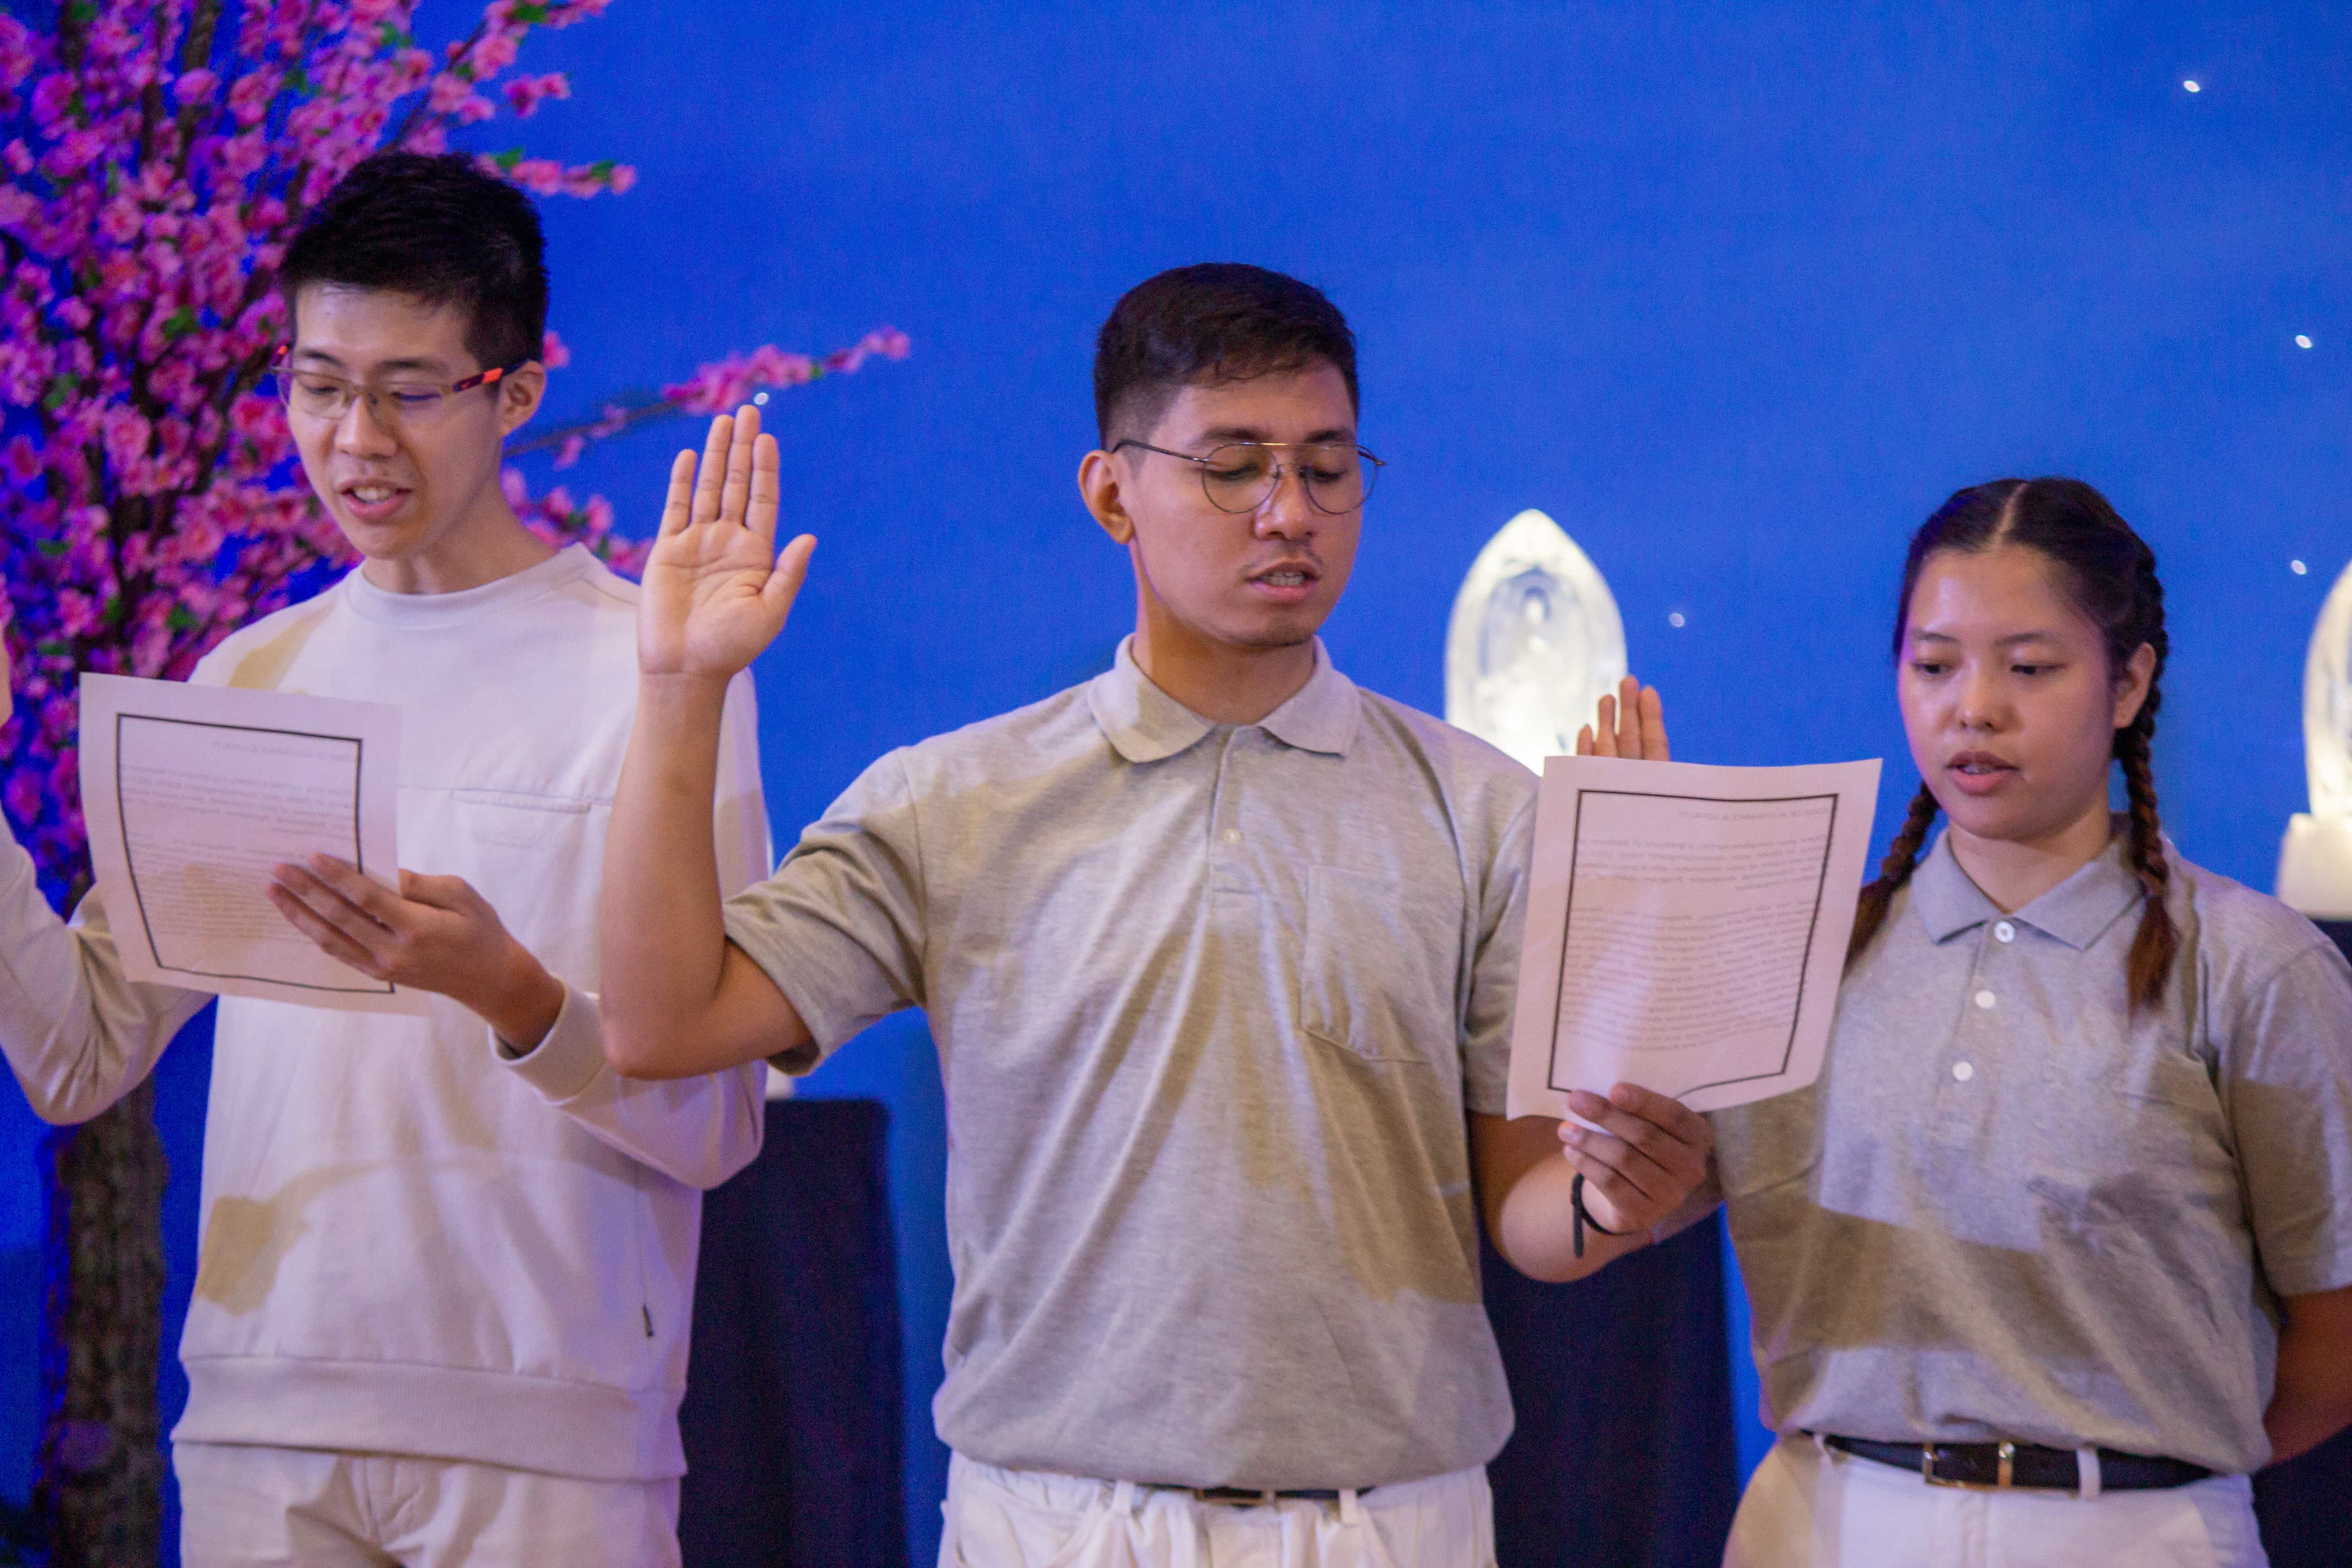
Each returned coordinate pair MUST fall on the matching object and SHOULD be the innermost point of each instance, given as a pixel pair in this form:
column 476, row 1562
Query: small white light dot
column 761, row 397
column 2301, row 342
column 1985, row 999
column 2193, row 86
column 1964, row 1071
column 1674, row 619
column 2298, row 567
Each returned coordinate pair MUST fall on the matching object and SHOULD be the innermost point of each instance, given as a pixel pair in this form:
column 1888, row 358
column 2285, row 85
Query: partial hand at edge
column 715, row 590
column 1633, row 723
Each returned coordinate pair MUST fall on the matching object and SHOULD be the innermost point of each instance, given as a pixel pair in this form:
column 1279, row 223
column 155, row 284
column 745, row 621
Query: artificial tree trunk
column 98, row 1487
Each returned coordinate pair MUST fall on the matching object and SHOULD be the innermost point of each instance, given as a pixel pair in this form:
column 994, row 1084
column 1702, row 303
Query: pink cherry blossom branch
column 715, row 388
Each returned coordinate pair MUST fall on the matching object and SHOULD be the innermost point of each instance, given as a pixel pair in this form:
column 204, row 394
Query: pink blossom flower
column 526, row 93
column 249, row 95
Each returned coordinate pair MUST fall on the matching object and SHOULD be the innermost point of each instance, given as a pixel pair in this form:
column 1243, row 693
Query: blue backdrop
column 1736, row 294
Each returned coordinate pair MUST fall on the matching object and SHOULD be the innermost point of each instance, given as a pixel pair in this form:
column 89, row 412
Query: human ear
column 2131, row 687
column 520, row 395
column 1098, row 487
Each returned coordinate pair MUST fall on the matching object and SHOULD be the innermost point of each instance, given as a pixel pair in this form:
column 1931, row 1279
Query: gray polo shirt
column 1213, row 1001
column 2010, row 1210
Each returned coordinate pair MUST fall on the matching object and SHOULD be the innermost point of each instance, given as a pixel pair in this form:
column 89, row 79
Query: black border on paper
column 359, row 758
column 1813, row 926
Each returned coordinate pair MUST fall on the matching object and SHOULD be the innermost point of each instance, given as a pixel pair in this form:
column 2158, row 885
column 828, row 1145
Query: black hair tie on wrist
column 1584, row 1216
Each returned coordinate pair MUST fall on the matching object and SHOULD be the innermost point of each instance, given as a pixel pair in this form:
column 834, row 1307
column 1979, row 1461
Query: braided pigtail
column 2152, row 949
column 1894, row 873
column 2153, row 945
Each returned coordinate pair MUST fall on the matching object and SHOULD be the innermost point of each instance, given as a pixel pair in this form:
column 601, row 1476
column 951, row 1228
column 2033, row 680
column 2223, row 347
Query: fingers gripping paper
column 1686, row 927
column 192, row 793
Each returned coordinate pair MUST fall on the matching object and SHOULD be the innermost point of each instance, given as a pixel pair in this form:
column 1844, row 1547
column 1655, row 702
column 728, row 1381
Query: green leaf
column 388, row 36
column 299, row 80
column 64, row 387
column 507, row 159
column 52, row 548
column 602, row 169
column 529, row 13
column 183, row 321
column 180, row 620
column 56, row 648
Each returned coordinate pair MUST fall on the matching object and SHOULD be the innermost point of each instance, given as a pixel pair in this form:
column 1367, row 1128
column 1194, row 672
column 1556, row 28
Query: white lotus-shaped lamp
column 2316, row 864
column 1534, row 643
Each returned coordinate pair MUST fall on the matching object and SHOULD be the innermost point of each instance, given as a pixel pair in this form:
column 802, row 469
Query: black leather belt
column 1246, row 1497
column 2003, row 1466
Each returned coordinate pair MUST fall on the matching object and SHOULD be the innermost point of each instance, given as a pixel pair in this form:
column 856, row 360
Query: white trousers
column 251, row 1507
column 1029, row 1518
column 1807, row 1506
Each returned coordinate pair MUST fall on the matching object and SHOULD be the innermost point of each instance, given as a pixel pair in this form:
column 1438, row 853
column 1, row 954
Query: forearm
column 1526, row 1195
column 77, row 1034
column 1533, row 1225
column 2312, row 1400
column 524, row 1006
column 695, row 1131
column 663, row 941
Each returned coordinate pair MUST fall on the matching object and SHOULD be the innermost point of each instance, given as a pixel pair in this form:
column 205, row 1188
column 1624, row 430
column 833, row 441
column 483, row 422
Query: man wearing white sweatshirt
column 442, row 1296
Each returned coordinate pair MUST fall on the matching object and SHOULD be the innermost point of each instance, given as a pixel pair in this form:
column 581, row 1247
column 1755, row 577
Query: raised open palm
column 716, row 589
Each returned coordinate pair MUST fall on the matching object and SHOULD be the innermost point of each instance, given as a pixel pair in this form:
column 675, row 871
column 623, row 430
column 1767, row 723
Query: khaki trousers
column 1807, row 1506
column 251, row 1507
column 1029, row 1518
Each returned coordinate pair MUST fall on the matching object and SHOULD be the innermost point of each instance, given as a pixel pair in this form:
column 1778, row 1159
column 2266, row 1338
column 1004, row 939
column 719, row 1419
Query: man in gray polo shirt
column 1219, row 952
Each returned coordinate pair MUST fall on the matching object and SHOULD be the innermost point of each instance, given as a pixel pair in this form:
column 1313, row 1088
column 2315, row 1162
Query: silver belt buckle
column 2003, row 1476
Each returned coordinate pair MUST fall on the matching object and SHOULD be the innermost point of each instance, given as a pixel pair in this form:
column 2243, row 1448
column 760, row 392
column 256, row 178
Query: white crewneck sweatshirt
column 414, row 1244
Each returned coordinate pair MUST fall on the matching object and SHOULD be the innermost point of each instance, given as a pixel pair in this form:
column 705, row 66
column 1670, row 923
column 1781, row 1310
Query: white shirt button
column 1232, row 835
column 1984, row 998
column 2006, row 932
column 1963, row 1071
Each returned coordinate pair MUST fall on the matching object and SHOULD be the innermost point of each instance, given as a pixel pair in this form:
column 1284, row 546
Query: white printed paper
column 192, row 793
column 1686, row 927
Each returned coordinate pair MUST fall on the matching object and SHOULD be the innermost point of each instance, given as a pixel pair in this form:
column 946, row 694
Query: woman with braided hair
column 2059, row 1247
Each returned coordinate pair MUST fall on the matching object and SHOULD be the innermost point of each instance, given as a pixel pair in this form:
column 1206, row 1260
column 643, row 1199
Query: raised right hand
column 715, row 590
column 1633, row 723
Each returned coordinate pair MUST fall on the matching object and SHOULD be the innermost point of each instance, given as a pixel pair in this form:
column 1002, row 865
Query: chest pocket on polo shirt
column 1370, row 978
column 2144, row 1142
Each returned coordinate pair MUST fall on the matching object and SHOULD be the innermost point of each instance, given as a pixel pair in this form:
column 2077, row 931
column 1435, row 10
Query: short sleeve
column 2290, row 1105
column 1495, row 968
column 839, row 927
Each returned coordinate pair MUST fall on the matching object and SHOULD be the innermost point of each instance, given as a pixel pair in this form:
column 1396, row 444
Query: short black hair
column 440, row 230
column 1216, row 321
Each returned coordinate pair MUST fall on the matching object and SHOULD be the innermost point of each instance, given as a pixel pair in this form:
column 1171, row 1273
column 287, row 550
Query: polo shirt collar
column 2076, row 911
column 1145, row 724
column 1320, row 716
